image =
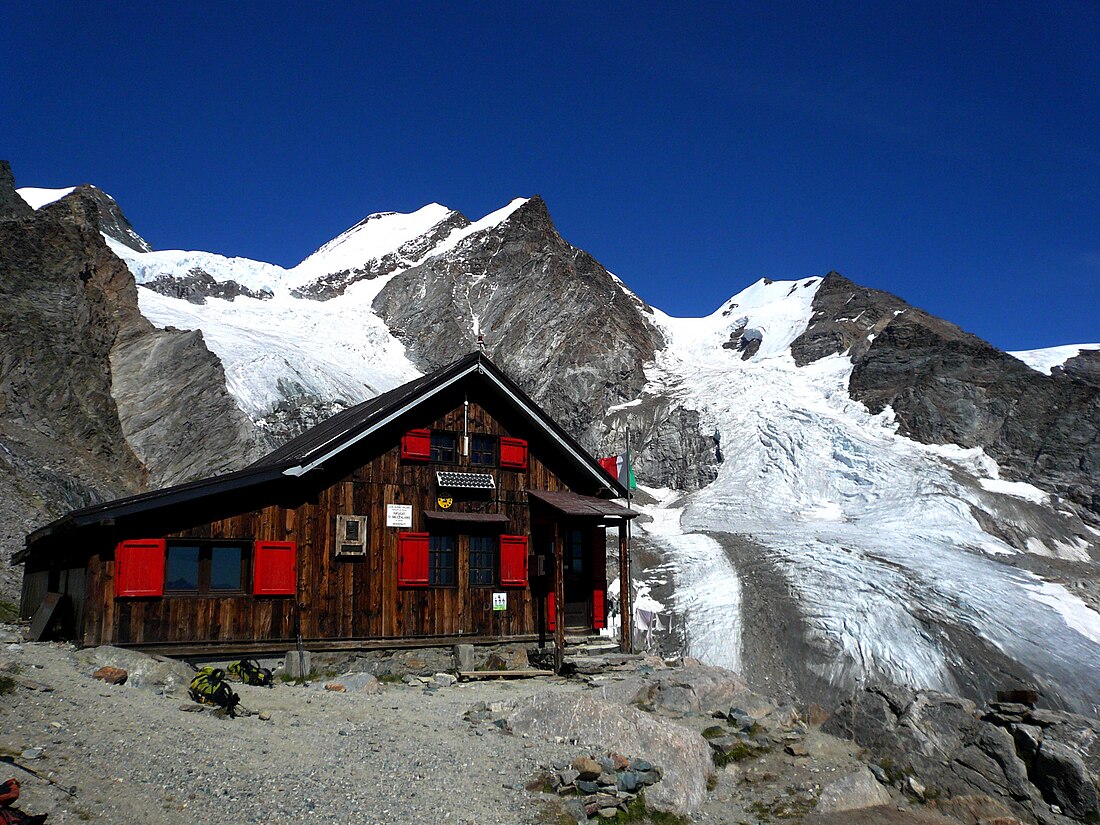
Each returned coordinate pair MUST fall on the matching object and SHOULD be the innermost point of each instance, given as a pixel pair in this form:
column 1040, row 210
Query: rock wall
column 81, row 371
column 553, row 318
column 947, row 386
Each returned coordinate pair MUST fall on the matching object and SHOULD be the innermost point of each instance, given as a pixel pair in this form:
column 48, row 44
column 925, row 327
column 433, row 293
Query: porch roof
column 475, row 518
column 575, row 505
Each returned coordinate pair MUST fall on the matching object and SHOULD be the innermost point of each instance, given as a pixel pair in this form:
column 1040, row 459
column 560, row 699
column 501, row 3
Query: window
column 443, row 448
column 351, row 535
column 441, row 560
column 482, row 557
column 203, row 567
column 483, row 450
column 574, row 551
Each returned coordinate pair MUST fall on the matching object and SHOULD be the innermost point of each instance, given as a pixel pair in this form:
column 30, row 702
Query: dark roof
column 574, row 504
column 306, row 453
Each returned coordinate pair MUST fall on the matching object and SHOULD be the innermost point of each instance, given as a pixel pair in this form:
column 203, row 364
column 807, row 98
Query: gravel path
column 403, row 756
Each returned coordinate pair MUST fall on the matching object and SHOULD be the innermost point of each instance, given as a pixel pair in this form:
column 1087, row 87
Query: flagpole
column 627, row 596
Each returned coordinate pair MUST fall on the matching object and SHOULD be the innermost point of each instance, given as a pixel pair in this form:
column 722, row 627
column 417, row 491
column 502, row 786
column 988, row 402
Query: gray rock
column 853, row 792
column 143, row 671
column 682, row 754
column 1061, row 775
column 298, row 666
column 464, row 657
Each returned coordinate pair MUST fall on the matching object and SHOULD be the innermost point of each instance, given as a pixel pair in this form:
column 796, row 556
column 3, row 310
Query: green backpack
column 210, row 688
column 250, row 672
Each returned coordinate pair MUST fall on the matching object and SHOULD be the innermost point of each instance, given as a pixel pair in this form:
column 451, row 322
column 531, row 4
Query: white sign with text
column 399, row 515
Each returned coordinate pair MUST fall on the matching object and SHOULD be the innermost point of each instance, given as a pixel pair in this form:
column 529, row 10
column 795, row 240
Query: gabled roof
column 307, row 453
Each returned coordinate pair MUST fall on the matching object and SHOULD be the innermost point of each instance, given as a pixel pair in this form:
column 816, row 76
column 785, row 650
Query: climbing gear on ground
column 210, row 688
column 250, row 672
column 9, row 792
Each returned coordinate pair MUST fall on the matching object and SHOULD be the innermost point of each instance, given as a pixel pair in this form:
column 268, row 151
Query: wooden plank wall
column 341, row 597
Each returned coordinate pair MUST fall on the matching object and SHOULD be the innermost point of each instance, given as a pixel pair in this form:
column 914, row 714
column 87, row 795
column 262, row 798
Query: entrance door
column 577, row 583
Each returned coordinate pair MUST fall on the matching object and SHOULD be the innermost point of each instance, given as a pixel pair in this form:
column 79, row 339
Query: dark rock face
column 198, row 285
column 112, row 222
column 335, row 283
column 1084, row 367
column 81, row 370
column 1029, row 759
column 947, row 386
column 12, row 207
column 512, row 282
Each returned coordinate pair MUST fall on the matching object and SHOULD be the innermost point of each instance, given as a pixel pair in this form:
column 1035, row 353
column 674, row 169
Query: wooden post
column 626, row 623
column 559, row 599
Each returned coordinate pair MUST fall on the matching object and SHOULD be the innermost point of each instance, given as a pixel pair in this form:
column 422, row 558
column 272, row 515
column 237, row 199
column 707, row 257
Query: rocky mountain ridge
column 797, row 414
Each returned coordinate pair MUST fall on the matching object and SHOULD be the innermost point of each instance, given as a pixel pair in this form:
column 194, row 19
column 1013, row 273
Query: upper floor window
column 483, row 450
column 443, row 448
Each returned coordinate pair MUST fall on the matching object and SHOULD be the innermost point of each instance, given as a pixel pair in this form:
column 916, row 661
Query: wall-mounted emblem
column 444, row 502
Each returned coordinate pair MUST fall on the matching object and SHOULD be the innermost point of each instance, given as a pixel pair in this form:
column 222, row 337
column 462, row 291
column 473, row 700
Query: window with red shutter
column 139, row 568
column 275, row 571
column 513, row 561
column 416, row 445
column 513, row 453
column 412, row 559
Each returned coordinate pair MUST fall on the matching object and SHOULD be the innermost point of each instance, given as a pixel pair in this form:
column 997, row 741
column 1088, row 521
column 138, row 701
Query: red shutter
column 599, row 578
column 275, row 570
column 551, row 613
column 416, row 445
column 412, row 559
column 513, row 453
column 513, row 561
column 139, row 567
column 599, row 610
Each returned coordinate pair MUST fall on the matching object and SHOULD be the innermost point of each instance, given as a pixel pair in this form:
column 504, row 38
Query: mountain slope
column 859, row 490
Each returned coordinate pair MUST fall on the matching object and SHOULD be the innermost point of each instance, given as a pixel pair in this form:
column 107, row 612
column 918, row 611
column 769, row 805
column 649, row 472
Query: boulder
column 464, row 658
column 1061, row 776
column 142, row 670
column 682, row 754
column 852, row 792
column 694, row 688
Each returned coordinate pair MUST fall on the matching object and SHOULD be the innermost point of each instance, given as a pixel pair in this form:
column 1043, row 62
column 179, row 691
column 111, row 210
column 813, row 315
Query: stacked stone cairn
column 606, row 784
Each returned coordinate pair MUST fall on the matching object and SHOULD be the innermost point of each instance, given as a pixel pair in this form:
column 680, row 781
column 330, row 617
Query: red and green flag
column 620, row 468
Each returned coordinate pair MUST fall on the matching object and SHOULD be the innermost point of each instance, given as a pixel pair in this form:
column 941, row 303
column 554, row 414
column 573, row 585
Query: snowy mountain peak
column 374, row 237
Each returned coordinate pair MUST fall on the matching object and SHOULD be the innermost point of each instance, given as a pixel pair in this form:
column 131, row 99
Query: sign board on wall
column 500, row 601
column 399, row 515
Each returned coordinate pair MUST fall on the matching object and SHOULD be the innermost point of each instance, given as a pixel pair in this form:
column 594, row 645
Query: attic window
column 443, row 448
column 351, row 535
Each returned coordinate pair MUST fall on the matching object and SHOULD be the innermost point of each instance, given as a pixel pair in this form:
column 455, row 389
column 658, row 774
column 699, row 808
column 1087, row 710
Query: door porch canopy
column 575, row 506
column 572, row 507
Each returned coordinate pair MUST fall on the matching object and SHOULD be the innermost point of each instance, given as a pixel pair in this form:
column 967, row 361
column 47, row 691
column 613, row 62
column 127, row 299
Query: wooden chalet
column 449, row 509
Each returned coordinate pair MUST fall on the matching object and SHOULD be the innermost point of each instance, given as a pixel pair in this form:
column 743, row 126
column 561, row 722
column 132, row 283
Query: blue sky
column 949, row 153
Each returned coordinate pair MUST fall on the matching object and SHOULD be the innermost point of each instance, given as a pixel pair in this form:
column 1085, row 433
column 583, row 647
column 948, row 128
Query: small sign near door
column 399, row 515
column 500, row 601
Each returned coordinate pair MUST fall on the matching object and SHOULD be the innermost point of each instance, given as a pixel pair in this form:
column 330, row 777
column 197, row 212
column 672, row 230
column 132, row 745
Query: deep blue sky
column 949, row 153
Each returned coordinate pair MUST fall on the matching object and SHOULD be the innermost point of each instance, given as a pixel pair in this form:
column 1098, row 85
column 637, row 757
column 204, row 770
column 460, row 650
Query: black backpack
column 250, row 672
column 210, row 688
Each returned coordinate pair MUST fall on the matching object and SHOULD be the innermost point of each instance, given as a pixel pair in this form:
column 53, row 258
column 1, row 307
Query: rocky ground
column 412, row 749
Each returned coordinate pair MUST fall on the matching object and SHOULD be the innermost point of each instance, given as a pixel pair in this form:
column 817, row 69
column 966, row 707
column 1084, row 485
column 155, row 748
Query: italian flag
column 620, row 468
